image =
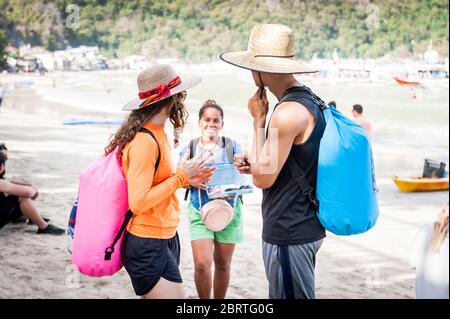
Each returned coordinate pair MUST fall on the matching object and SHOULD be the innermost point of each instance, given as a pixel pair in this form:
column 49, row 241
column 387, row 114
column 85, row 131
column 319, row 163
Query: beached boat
column 421, row 184
column 405, row 82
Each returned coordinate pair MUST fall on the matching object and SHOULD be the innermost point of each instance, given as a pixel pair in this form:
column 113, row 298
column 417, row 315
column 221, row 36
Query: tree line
column 197, row 30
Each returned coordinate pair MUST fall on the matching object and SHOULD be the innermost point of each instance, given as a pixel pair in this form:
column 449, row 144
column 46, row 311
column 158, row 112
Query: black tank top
column 289, row 218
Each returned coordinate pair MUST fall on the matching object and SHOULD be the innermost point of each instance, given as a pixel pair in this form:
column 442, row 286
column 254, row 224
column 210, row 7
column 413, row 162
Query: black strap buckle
column 313, row 200
column 108, row 252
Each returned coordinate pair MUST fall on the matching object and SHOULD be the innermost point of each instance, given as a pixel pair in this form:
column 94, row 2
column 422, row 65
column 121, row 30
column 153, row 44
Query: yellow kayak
column 421, row 184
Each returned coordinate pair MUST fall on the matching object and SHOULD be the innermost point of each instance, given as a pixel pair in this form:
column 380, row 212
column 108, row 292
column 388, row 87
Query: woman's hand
column 196, row 168
column 197, row 184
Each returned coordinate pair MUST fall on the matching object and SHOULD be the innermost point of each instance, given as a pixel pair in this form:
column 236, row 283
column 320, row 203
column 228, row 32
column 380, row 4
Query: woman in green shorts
column 209, row 246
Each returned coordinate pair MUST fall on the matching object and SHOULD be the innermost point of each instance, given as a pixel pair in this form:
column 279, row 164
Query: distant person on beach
column 210, row 247
column 416, row 93
column 430, row 258
column 16, row 200
column 151, row 248
column 292, row 233
column 2, row 92
column 360, row 119
column 332, row 104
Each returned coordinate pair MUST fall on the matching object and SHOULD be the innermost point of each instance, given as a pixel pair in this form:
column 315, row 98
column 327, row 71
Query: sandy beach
column 51, row 155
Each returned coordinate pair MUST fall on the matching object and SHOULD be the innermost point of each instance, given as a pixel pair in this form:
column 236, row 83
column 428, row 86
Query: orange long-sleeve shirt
column 152, row 199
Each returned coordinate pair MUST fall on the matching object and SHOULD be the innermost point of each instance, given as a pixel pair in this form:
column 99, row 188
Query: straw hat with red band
column 158, row 83
column 271, row 50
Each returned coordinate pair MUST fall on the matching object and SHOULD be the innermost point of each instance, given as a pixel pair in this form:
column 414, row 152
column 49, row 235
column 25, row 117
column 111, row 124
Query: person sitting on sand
column 16, row 200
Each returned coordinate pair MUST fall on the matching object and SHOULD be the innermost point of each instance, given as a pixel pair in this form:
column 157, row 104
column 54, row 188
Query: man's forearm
column 259, row 139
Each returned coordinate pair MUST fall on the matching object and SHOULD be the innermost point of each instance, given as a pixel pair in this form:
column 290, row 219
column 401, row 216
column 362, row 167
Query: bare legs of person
column 166, row 289
column 223, row 253
column 29, row 211
column 205, row 251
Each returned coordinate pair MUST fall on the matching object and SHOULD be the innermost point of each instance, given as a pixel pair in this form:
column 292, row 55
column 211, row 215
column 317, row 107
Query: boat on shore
column 421, row 184
column 406, row 82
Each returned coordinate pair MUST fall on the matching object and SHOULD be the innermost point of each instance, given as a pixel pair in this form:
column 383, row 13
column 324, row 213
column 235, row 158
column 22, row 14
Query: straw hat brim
column 246, row 60
column 185, row 84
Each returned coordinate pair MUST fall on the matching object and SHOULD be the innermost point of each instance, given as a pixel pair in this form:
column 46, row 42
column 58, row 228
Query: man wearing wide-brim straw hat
column 292, row 233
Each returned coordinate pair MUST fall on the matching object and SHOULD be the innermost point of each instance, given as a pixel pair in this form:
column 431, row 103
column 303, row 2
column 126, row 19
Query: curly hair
column 135, row 121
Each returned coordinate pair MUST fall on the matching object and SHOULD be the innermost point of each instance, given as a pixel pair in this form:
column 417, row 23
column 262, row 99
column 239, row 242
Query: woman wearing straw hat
column 150, row 248
column 292, row 233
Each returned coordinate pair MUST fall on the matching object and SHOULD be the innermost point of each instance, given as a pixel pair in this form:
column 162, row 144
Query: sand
column 51, row 155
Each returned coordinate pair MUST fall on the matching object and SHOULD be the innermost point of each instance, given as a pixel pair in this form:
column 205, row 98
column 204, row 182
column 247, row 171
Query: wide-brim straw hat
column 158, row 83
column 271, row 50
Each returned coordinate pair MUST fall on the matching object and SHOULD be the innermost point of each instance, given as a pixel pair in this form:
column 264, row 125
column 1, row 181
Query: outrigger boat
column 421, row 184
column 405, row 82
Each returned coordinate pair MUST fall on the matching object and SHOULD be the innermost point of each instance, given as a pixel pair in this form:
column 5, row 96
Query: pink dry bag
column 102, row 216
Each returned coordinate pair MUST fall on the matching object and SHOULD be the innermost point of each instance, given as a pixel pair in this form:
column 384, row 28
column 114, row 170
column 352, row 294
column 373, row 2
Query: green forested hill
column 197, row 30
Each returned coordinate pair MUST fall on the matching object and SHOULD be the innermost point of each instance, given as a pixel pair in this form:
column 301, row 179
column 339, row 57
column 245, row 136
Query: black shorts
column 148, row 259
column 9, row 209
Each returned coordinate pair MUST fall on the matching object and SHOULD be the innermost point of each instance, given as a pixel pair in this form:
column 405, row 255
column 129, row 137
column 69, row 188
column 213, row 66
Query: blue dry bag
column 346, row 192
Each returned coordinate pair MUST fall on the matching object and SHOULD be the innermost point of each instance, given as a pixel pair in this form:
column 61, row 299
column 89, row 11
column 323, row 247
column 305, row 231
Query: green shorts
column 232, row 234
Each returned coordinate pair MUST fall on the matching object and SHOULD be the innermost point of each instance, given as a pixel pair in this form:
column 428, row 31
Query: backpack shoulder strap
column 307, row 97
column 158, row 159
column 302, row 93
column 193, row 146
column 110, row 250
column 299, row 176
column 228, row 144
